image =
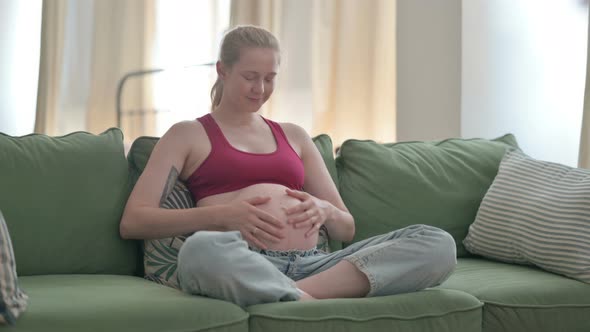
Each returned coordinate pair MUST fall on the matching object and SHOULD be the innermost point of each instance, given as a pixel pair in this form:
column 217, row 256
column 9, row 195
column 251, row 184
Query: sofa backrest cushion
column 63, row 198
column 324, row 145
column 391, row 186
column 142, row 147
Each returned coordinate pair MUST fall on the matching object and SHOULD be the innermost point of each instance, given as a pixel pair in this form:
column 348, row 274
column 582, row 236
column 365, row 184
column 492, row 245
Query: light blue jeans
column 222, row 266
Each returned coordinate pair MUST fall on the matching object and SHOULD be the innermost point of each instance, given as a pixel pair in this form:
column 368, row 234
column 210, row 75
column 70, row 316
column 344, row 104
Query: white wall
column 523, row 71
column 428, row 69
column 20, row 33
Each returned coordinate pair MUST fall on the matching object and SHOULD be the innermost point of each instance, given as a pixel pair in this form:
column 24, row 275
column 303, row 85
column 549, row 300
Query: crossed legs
column 220, row 265
column 405, row 260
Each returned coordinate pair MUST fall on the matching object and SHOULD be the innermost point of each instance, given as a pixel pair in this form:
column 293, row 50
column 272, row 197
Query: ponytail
column 216, row 93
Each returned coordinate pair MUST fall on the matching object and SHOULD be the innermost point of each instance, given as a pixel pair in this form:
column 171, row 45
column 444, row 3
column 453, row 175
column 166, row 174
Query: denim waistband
column 285, row 253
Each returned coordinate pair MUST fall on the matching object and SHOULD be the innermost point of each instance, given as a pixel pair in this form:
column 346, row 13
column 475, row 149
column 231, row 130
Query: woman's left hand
column 311, row 212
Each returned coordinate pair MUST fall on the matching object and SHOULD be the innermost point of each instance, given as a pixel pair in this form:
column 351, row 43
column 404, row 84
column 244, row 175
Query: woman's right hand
column 257, row 226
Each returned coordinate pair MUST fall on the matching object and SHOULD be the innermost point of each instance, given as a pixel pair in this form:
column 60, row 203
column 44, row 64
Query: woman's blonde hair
column 241, row 36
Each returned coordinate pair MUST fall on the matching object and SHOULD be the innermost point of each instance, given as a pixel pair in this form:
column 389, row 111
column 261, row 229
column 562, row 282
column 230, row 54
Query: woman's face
column 250, row 82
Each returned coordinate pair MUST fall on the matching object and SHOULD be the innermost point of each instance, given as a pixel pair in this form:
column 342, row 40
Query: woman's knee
column 205, row 254
column 444, row 252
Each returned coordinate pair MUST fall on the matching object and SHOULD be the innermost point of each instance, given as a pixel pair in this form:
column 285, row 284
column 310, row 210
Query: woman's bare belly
column 294, row 237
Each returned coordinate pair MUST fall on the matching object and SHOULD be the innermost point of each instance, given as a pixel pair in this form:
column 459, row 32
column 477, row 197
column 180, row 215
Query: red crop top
column 227, row 169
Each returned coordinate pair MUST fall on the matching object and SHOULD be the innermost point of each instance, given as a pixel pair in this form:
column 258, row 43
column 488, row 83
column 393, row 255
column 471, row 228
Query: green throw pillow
column 536, row 212
column 391, row 186
column 13, row 301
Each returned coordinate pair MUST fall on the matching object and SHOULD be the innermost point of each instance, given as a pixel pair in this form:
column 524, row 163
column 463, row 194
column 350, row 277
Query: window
column 524, row 72
column 188, row 33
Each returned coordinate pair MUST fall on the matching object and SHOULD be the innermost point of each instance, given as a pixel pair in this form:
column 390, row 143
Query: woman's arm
column 143, row 218
column 329, row 207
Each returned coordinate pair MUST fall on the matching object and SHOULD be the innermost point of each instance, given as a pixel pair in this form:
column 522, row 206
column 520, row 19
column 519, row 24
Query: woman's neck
column 235, row 117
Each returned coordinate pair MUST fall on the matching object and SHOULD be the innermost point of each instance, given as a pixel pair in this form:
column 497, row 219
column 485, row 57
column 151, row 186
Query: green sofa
column 62, row 198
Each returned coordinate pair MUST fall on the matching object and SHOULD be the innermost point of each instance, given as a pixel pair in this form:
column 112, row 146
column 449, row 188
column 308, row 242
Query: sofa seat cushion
column 523, row 298
column 429, row 310
column 121, row 303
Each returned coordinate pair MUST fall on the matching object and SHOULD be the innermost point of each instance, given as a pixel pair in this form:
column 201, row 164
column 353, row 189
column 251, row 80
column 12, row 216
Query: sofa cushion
column 324, row 144
column 536, row 212
column 391, row 186
column 142, row 147
column 139, row 154
column 63, row 198
column 428, row 310
column 13, row 301
column 121, row 303
column 523, row 298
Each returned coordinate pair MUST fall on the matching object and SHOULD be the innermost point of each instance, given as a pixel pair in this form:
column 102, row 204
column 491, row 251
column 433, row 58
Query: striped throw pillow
column 13, row 301
column 536, row 212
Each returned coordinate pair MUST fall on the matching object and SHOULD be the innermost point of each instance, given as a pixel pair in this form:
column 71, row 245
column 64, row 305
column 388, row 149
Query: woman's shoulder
column 298, row 138
column 185, row 142
column 185, row 129
column 184, row 136
column 294, row 131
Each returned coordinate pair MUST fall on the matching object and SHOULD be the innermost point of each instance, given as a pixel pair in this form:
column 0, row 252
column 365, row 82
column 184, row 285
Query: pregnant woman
column 262, row 193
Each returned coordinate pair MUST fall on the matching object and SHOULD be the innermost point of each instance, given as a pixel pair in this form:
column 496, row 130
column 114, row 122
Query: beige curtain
column 123, row 36
column 87, row 46
column 354, row 69
column 267, row 14
column 347, row 64
column 584, row 159
column 50, row 66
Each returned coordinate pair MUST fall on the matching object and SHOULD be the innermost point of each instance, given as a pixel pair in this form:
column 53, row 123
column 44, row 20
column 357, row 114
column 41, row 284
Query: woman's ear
column 221, row 71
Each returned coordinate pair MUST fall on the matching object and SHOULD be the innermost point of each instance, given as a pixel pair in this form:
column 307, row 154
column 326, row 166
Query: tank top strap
column 278, row 133
column 213, row 131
